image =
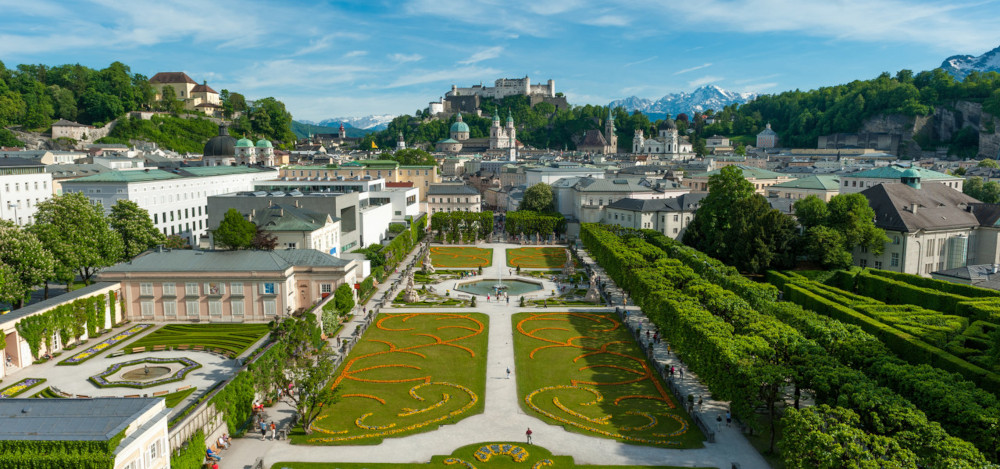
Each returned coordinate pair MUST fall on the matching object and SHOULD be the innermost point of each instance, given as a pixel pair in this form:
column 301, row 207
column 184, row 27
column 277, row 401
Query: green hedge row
column 901, row 293
column 700, row 320
column 938, row 285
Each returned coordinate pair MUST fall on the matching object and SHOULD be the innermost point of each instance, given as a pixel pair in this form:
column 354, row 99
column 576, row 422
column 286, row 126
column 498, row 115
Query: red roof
column 172, row 77
column 399, row 184
column 203, row 88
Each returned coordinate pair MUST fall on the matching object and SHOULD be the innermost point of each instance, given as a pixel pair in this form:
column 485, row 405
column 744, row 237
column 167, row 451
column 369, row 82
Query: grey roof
column 639, row 205
column 40, row 306
column 19, row 162
column 226, row 261
column 981, row 275
column 66, row 123
column 588, row 184
column 938, row 207
column 69, row 419
column 681, row 203
column 451, row 189
column 685, row 202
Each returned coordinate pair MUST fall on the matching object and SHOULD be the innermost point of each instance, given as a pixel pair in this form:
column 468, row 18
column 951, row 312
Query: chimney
column 913, row 208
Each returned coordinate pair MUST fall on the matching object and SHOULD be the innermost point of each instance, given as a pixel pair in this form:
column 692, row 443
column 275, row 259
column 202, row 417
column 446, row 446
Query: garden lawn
column 537, row 258
column 494, row 460
column 466, row 257
column 177, row 397
column 410, row 373
column 234, row 339
column 585, row 372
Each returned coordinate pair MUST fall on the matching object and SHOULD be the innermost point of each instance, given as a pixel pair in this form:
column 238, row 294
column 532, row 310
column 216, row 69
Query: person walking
column 263, row 429
column 274, row 430
column 508, row 372
column 508, row 300
column 729, row 419
column 527, row 435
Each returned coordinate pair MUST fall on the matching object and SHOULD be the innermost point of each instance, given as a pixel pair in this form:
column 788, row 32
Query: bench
column 116, row 354
column 198, row 347
column 160, row 393
column 157, row 348
column 183, row 347
column 182, row 388
column 138, row 349
column 133, row 395
column 81, row 396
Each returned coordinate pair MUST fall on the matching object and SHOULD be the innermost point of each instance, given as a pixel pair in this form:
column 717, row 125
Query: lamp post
column 15, row 206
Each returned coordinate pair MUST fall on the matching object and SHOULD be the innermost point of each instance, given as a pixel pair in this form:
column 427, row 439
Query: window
column 270, row 308
column 169, row 308
column 146, row 289
column 895, row 240
column 215, row 308
column 325, row 288
column 675, row 230
column 169, row 289
column 191, row 288
column 235, row 288
column 864, row 262
column 215, row 288
column 147, row 308
column 928, row 268
column 268, row 288
column 878, row 264
column 192, row 308
column 930, row 247
column 154, row 450
column 237, row 307
column 894, row 259
column 677, row 217
column 155, row 219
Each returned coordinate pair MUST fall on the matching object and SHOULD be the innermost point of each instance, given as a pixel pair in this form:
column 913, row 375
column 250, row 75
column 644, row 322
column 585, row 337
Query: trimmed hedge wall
column 938, row 285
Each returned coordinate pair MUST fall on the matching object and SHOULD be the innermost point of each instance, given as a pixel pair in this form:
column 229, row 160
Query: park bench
column 183, row 388
column 133, row 395
column 198, row 347
column 183, row 347
column 157, row 348
column 81, row 396
column 117, row 354
column 160, row 393
column 138, row 349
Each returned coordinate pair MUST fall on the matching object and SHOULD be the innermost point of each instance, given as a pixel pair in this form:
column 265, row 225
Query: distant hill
column 706, row 97
column 302, row 130
column 960, row 65
column 371, row 122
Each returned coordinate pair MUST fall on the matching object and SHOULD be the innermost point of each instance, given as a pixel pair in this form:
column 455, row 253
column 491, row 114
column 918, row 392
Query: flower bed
column 101, row 381
column 104, row 345
column 20, row 387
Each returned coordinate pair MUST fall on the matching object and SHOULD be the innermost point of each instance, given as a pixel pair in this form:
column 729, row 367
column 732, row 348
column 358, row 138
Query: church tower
column 495, row 130
column 609, row 134
column 638, row 141
column 400, row 143
column 510, row 130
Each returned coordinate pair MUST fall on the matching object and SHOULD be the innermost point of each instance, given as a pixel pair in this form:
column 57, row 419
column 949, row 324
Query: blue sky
column 352, row 58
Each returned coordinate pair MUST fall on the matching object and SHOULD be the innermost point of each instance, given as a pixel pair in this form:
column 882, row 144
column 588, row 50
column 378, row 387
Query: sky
column 355, row 58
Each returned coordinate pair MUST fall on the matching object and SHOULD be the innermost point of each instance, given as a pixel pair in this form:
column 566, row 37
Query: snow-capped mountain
column 373, row 122
column 960, row 65
column 706, row 97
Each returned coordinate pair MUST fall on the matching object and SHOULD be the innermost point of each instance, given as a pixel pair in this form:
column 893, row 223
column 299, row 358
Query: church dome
column 459, row 126
column 910, row 173
column 263, row 143
column 668, row 124
column 220, row 145
column 244, row 142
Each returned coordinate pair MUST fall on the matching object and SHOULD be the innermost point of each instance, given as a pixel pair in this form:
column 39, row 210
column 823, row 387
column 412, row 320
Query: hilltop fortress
column 468, row 99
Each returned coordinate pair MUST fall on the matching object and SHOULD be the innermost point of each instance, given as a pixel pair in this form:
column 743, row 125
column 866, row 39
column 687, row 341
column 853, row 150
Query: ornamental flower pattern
column 98, row 348
column 101, row 379
column 517, row 453
column 19, row 387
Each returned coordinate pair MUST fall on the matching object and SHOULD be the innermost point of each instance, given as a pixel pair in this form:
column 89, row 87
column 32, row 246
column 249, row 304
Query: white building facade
column 23, row 185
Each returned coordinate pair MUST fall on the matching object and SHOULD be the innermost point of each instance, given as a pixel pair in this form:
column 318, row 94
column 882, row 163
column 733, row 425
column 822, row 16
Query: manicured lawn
column 584, row 371
column 498, row 455
column 537, row 258
column 175, row 398
column 466, row 257
column 410, row 373
column 232, row 338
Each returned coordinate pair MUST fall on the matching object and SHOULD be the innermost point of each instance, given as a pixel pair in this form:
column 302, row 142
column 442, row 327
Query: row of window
column 17, row 186
column 188, row 213
column 378, row 173
column 447, row 200
column 465, row 209
column 209, row 288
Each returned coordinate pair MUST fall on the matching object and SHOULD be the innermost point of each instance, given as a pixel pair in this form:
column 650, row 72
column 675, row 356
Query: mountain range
column 960, row 65
column 372, row 122
column 705, row 97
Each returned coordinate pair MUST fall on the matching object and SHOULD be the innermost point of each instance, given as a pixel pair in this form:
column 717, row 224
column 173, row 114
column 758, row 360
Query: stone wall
column 940, row 126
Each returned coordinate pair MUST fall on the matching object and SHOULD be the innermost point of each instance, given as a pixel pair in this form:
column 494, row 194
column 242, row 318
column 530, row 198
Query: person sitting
column 212, row 455
column 222, row 443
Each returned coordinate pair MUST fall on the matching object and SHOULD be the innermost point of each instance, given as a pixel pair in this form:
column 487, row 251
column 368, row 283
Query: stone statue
column 523, row 239
column 592, row 293
column 569, row 269
column 428, row 265
column 410, row 295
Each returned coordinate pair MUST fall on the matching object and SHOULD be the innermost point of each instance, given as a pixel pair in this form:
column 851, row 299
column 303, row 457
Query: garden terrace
column 410, row 373
column 232, row 339
column 584, row 371
column 537, row 257
column 461, row 257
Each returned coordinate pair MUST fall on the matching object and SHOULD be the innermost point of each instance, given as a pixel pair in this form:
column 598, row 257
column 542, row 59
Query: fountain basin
column 514, row 287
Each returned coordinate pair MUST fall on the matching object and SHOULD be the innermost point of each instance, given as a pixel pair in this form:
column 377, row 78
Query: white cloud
column 757, row 87
column 637, row 62
column 699, row 67
column 299, row 74
column 404, row 58
column 454, row 75
column 484, row 54
column 607, row 20
column 355, row 53
column 703, row 81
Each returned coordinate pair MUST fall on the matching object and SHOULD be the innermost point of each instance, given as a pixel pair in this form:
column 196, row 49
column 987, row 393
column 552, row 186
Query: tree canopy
column 78, row 235
column 133, row 225
column 234, row 231
column 538, row 198
column 413, row 156
column 26, row 262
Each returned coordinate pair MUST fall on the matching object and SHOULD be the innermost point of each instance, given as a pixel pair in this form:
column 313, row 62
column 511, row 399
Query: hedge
column 896, row 292
column 938, row 285
column 190, row 455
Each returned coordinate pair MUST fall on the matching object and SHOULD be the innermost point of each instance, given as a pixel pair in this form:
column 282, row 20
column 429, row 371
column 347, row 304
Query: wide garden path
column 502, row 419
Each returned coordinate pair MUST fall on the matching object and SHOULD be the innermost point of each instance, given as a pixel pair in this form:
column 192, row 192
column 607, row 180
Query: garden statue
column 592, row 293
column 523, row 239
column 569, row 269
column 410, row 295
column 428, row 265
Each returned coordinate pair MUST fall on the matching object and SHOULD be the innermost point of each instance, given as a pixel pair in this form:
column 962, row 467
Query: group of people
column 498, row 296
column 466, row 273
column 264, row 427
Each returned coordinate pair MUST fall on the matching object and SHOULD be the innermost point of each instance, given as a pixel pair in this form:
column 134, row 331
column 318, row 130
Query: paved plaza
column 503, row 419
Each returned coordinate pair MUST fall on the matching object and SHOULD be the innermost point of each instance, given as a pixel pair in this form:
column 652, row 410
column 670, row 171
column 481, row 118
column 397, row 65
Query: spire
column 510, row 117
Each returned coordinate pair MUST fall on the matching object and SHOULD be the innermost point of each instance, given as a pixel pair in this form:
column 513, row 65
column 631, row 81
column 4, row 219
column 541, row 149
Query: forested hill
column 32, row 97
column 798, row 116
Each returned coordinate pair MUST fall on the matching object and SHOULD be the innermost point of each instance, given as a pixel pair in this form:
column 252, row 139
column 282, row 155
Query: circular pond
column 489, row 287
column 146, row 372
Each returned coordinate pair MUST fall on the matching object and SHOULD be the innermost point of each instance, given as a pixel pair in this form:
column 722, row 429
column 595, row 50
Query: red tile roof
column 399, row 184
column 203, row 89
column 172, row 77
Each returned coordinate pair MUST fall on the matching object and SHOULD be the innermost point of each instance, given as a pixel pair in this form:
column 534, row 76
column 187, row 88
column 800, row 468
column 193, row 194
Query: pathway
column 502, row 418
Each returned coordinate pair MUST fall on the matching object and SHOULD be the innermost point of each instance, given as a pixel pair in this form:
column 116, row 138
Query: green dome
column 244, row 142
column 910, row 173
column 262, row 143
column 459, row 126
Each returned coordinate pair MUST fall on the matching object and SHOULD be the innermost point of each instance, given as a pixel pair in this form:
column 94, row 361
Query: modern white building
column 404, row 201
column 176, row 200
column 142, row 420
column 23, row 185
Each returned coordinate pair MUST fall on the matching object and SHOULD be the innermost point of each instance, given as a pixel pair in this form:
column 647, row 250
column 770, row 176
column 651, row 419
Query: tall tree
column 136, row 229
column 29, row 263
column 234, row 231
column 851, row 215
column 811, row 211
column 78, row 234
column 538, row 198
column 263, row 240
column 714, row 218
